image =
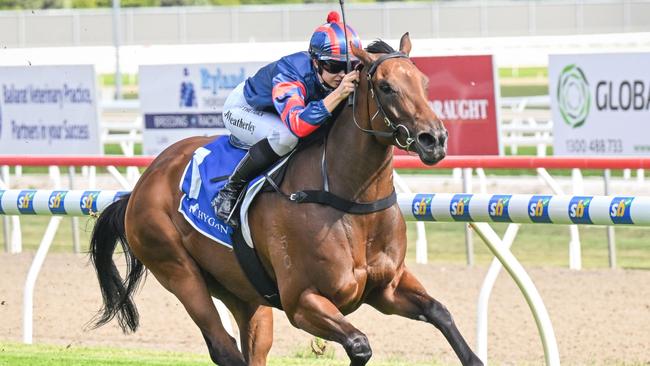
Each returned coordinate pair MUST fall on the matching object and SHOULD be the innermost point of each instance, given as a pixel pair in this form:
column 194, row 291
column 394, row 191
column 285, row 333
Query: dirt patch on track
column 599, row 316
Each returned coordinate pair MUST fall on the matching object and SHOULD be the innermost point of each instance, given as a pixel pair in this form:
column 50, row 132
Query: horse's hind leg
column 318, row 316
column 159, row 248
column 405, row 296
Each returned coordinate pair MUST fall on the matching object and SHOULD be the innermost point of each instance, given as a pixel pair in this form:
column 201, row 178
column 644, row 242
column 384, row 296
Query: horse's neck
column 359, row 167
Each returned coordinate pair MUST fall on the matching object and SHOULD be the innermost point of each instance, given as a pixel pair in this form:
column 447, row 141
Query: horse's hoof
column 358, row 349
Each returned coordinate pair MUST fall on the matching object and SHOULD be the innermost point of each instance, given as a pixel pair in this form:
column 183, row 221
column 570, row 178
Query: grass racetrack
column 12, row 354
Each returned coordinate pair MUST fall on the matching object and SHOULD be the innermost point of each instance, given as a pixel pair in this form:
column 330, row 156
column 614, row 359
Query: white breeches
column 249, row 125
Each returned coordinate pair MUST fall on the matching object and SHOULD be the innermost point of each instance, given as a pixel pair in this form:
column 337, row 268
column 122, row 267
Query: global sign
column 600, row 103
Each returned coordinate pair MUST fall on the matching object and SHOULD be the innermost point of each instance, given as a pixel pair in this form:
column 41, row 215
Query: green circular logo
column 573, row 96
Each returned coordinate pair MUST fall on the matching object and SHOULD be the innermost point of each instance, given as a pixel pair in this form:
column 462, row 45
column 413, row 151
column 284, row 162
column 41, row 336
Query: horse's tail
column 117, row 293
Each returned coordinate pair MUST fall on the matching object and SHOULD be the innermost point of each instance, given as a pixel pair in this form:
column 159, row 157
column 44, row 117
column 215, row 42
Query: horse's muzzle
column 432, row 146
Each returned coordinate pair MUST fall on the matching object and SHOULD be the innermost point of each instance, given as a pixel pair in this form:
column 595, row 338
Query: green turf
column 109, row 79
column 43, row 355
column 523, row 72
column 538, row 245
column 523, row 90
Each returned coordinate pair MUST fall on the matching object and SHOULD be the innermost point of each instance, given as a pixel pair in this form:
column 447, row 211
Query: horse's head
column 399, row 91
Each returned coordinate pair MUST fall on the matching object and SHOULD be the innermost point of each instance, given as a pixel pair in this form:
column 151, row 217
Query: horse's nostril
column 426, row 140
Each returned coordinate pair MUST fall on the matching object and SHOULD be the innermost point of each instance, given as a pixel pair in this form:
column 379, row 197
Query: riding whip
column 347, row 47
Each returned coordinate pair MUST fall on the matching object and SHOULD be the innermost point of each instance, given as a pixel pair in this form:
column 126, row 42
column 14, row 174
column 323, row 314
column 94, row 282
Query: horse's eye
column 385, row 87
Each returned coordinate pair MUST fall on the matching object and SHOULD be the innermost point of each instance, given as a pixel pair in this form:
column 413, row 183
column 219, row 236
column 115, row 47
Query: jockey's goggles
column 335, row 67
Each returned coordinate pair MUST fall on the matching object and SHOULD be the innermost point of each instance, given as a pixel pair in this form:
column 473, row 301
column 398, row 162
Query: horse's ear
column 405, row 44
column 361, row 54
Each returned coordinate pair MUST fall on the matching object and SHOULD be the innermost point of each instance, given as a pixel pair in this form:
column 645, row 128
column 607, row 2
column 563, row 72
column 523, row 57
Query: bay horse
column 325, row 262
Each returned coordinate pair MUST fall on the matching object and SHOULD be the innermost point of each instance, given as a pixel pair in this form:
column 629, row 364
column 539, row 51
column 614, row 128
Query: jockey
column 284, row 101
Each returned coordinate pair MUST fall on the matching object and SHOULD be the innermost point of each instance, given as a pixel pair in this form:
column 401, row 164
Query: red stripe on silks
column 334, row 44
column 294, row 101
column 286, row 87
column 291, row 117
column 322, row 28
column 355, row 37
column 299, row 127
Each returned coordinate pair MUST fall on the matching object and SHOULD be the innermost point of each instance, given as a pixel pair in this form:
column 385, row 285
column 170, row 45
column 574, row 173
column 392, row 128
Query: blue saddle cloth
column 216, row 159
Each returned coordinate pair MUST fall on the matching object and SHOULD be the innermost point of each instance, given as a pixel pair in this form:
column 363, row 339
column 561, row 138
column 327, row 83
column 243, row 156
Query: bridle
column 394, row 128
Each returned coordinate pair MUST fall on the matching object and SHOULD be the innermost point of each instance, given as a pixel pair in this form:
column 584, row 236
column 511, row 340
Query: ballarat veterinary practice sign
column 180, row 101
column 463, row 94
column 48, row 110
column 600, row 103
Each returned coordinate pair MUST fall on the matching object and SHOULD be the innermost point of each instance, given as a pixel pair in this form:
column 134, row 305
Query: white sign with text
column 49, row 110
column 600, row 103
column 180, row 101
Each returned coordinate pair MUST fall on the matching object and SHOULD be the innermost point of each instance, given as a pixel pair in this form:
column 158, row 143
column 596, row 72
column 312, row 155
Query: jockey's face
column 331, row 73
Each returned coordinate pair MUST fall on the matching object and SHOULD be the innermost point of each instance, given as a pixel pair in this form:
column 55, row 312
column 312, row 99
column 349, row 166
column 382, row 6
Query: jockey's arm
column 289, row 100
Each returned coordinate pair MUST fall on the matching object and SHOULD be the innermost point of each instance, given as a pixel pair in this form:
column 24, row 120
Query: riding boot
column 258, row 158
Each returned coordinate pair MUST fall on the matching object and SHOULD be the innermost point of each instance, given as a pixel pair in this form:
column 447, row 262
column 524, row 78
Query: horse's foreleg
column 318, row 316
column 405, row 296
column 257, row 335
column 189, row 287
column 255, row 324
column 172, row 266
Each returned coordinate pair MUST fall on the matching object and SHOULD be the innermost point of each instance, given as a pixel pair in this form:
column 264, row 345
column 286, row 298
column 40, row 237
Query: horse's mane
column 379, row 46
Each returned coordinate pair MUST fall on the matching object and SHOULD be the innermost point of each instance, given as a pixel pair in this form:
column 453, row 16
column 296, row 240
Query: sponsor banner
column 498, row 208
column 49, row 110
column 180, row 101
column 579, row 209
column 49, row 202
column 620, row 210
column 88, row 202
column 25, row 202
column 56, row 203
column 463, row 94
column 459, row 207
column 600, row 103
column 538, row 209
column 422, row 207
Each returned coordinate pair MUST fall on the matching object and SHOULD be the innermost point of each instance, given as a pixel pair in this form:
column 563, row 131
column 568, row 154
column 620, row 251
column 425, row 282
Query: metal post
column 469, row 240
column 527, row 287
column 5, row 232
column 13, row 233
column 611, row 238
column 484, row 295
column 75, row 220
column 6, row 226
column 32, row 275
column 116, row 43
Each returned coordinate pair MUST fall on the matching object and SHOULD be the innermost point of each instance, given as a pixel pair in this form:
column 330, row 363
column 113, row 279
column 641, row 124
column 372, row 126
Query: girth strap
column 330, row 199
column 254, row 270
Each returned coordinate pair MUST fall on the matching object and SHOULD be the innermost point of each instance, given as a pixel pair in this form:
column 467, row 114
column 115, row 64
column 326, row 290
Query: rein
column 395, row 128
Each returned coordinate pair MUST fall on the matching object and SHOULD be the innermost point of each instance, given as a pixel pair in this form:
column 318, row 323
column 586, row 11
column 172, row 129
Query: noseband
column 394, row 128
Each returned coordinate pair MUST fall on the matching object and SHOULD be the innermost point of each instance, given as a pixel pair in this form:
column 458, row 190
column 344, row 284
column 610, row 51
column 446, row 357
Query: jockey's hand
column 345, row 88
column 347, row 85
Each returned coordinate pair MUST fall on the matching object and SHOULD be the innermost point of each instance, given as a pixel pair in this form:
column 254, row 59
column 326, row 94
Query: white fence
column 526, row 121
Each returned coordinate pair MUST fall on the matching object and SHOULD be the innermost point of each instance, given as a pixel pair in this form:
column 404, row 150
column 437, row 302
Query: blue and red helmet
column 328, row 40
